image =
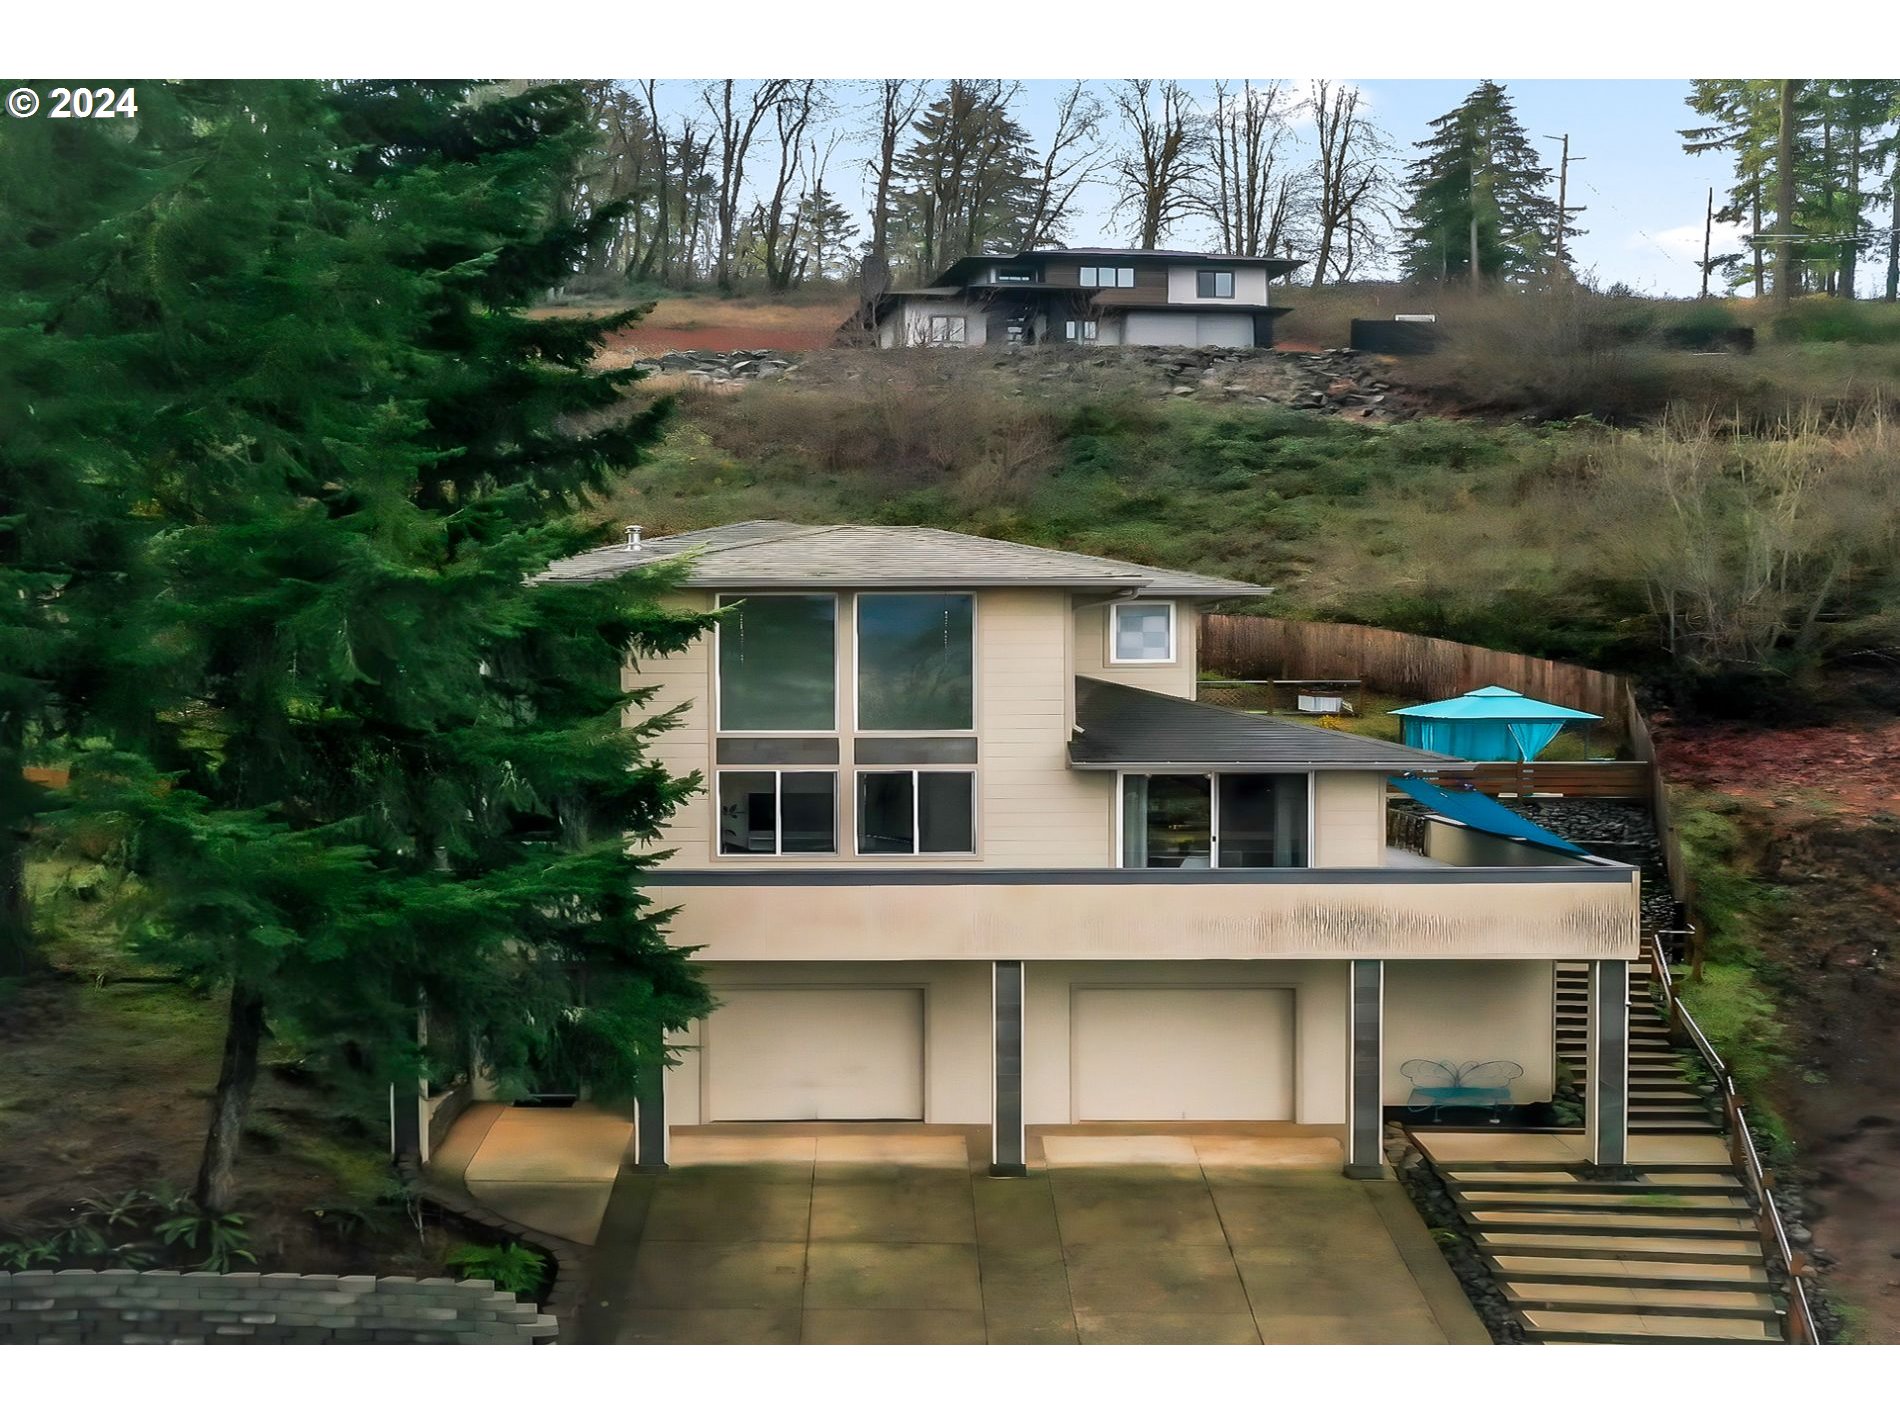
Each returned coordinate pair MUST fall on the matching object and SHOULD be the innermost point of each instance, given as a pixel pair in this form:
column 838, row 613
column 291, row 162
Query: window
column 1214, row 284
column 1141, row 633
column 777, row 813
column 916, row 663
column 916, row 813
column 1080, row 331
column 1197, row 821
column 778, row 665
column 1107, row 277
column 946, row 331
column 1015, row 274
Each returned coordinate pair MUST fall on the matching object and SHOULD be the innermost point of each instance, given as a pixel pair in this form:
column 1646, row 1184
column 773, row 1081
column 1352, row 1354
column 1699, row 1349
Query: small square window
column 1124, row 276
column 1214, row 284
column 1143, row 633
column 1086, row 277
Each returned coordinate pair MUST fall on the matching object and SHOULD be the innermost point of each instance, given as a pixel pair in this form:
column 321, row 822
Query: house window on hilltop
column 1080, row 331
column 916, row 813
column 946, row 331
column 1214, row 284
column 1107, row 277
column 778, row 663
column 777, row 813
column 1015, row 274
column 1141, row 633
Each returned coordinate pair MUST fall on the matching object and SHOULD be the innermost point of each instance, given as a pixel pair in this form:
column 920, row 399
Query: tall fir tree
column 1480, row 198
column 382, row 770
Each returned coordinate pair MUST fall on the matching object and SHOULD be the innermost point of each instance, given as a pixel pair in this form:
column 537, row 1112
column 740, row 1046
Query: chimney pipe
column 633, row 536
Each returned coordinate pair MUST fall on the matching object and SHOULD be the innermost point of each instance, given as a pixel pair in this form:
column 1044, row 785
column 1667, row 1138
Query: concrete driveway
column 901, row 1237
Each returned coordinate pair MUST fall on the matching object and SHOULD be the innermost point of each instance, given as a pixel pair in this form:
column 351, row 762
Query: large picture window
column 1214, row 284
column 778, row 664
column 1233, row 821
column 946, row 331
column 916, row 812
column 777, row 813
column 916, row 663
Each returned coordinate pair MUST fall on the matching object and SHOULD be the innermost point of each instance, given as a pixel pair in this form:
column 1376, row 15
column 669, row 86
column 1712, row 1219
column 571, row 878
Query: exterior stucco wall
column 1461, row 846
column 912, row 320
column 1524, row 913
column 1460, row 1011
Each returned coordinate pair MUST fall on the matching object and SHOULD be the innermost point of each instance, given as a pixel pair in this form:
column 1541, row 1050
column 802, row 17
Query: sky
column 1642, row 197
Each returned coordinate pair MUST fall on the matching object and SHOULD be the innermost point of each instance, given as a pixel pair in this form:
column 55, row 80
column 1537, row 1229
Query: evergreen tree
column 967, row 181
column 381, row 769
column 1480, row 194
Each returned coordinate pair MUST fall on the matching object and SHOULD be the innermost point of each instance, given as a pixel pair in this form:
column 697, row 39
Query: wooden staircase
column 1662, row 1100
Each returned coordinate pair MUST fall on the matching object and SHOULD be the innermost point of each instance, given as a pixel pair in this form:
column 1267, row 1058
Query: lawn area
column 105, row 1077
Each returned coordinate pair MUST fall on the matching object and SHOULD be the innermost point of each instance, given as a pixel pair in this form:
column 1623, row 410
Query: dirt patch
column 710, row 324
column 105, row 1088
column 1852, row 767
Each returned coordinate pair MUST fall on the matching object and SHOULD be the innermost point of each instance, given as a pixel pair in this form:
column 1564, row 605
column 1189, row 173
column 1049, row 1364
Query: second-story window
column 916, row 662
column 1196, row 821
column 1015, row 274
column 777, row 813
column 1106, row 277
column 1218, row 283
column 1141, row 633
column 778, row 663
column 916, row 813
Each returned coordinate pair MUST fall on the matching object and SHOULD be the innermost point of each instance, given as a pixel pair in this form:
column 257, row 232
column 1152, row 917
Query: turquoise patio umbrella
column 1487, row 725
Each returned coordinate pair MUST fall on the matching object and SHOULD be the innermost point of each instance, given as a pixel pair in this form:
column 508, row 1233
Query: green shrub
column 511, row 1267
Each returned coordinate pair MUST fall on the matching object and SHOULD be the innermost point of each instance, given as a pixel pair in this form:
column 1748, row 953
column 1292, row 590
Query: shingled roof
column 765, row 554
column 1131, row 727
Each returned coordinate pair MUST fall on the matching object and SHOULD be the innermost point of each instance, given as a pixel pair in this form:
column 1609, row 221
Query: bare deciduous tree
column 777, row 217
column 898, row 101
column 737, row 124
column 1351, row 183
column 1249, row 186
column 1072, row 160
column 1157, row 173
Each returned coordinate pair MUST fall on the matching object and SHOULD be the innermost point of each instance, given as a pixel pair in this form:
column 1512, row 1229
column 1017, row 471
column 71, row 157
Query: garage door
column 1223, row 329
column 1161, row 329
column 792, row 1054
column 1156, row 1054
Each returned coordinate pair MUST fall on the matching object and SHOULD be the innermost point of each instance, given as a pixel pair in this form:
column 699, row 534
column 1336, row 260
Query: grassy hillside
column 1641, row 550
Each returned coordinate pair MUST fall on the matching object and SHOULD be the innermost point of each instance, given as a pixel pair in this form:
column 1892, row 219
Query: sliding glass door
column 1197, row 821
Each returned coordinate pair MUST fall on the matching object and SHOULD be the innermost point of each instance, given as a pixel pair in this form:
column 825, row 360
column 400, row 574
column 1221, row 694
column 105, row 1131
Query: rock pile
column 719, row 367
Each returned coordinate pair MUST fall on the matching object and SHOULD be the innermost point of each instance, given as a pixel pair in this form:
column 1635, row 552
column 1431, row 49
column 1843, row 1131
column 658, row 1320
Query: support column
column 1606, row 1112
column 1365, row 1069
column 649, row 1120
column 1008, row 1158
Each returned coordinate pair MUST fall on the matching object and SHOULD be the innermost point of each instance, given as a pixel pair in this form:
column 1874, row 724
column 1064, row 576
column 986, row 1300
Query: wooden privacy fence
column 1622, row 781
column 1245, row 646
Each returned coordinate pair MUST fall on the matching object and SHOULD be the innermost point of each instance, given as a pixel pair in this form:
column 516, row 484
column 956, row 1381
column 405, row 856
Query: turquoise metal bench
column 1441, row 1084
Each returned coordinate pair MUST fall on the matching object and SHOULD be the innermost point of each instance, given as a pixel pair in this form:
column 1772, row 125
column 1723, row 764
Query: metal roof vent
column 633, row 536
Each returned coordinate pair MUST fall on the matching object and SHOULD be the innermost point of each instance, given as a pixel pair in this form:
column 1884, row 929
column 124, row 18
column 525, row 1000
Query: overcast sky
column 1642, row 196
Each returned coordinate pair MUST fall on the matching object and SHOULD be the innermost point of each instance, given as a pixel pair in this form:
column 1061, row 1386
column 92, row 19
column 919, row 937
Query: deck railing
column 1759, row 1178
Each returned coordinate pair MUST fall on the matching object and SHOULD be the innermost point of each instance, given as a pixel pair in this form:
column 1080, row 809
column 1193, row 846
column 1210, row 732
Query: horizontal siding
column 682, row 678
column 1349, row 819
column 1176, row 679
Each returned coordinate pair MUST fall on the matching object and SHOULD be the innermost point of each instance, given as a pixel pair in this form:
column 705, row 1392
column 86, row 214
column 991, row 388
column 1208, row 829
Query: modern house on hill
column 969, row 852
column 1093, row 296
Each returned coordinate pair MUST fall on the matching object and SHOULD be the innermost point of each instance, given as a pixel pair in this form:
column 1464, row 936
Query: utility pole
column 1708, row 231
column 1563, row 200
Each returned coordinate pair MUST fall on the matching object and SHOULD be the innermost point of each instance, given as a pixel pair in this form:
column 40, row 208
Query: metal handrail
column 1759, row 1179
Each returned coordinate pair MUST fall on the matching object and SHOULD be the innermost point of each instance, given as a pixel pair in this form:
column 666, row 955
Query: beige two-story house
column 1088, row 296
column 969, row 852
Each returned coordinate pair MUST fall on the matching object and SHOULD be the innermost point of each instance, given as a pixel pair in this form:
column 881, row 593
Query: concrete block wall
column 126, row 1307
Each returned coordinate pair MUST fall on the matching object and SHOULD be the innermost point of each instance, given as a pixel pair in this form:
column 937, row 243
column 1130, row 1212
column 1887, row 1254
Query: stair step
column 1615, row 1222
column 1644, row 1300
column 1583, row 1246
column 1675, row 1125
column 1704, row 1276
column 1559, row 1181
column 1638, row 1203
column 1635, row 1328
